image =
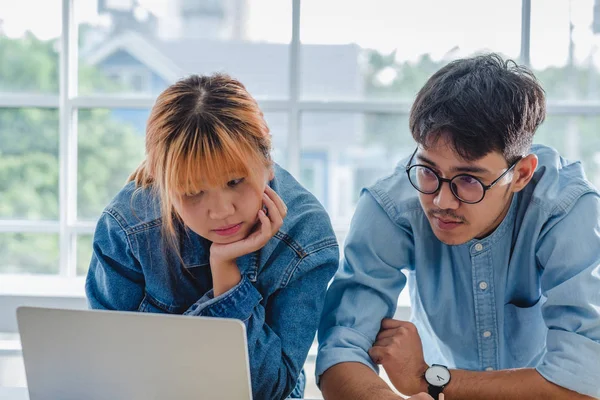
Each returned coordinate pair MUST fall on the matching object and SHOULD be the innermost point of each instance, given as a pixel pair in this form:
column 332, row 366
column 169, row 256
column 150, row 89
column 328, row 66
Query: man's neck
column 498, row 220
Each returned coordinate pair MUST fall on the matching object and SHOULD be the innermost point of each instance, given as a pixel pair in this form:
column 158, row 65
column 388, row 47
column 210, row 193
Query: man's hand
column 424, row 396
column 399, row 350
column 223, row 256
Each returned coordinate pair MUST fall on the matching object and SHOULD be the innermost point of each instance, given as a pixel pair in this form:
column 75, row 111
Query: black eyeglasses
column 464, row 187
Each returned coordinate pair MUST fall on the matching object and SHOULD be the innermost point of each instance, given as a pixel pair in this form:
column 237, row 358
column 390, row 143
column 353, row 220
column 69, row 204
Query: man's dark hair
column 480, row 104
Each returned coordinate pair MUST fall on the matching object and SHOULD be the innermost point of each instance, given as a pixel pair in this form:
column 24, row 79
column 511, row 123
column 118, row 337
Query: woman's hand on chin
column 223, row 256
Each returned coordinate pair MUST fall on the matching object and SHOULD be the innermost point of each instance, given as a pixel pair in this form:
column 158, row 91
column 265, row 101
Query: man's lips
column 447, row 221
column 445, row 224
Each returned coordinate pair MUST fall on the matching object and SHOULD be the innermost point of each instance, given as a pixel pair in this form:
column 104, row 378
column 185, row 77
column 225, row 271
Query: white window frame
column 67, row 285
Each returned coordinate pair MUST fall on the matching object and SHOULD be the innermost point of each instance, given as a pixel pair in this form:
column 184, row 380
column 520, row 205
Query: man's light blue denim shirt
column 527, row 295
column 279, row 298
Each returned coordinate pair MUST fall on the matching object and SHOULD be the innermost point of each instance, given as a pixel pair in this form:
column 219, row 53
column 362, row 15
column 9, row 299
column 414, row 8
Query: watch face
column 437, row 375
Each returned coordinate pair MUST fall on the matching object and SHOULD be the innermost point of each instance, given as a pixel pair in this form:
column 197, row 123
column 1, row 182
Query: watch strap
column 434, row 391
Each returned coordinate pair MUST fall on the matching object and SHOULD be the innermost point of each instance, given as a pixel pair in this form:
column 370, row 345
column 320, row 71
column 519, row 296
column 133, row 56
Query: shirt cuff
column 572, row 362
column 238, row 302
column 343, row 344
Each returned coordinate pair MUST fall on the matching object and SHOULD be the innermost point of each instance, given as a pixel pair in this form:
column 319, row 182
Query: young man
column 501, row 244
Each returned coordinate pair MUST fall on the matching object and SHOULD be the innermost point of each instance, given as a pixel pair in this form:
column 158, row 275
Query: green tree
column 108, row 150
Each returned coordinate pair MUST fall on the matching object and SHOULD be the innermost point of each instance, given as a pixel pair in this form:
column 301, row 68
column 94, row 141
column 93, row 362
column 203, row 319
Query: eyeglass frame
column 442, row 180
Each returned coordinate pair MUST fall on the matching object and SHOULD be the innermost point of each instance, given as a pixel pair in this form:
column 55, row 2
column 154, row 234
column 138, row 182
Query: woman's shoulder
column 307, row 224
column 135, row 206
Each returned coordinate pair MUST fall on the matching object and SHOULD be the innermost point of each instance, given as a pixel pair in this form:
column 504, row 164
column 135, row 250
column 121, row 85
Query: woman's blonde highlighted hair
column 202, row 132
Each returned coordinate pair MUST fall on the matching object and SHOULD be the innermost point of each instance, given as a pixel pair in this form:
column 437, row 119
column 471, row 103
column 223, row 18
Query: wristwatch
column 437, row 376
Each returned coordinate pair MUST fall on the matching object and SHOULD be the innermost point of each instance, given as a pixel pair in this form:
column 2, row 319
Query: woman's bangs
column 210, row 163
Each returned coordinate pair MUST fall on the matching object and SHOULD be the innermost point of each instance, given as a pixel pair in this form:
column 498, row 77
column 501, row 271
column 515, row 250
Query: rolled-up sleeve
column 366, row 287
column 569, row 253
column 238, row 302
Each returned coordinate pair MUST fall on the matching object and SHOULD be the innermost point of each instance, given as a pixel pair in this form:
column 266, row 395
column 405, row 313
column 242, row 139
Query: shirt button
column 478, row 247
column 489, row 369
column 483, row 285
column 487, row 334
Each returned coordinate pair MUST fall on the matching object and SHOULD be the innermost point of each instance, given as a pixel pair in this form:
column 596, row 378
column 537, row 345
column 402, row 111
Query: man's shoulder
column 557, row 183
column 395, row 194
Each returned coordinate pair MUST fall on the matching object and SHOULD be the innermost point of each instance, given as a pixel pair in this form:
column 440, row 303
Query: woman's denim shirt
column 279, row 298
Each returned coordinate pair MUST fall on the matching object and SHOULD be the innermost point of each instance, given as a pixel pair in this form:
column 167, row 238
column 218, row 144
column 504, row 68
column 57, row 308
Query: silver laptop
column 109, row 355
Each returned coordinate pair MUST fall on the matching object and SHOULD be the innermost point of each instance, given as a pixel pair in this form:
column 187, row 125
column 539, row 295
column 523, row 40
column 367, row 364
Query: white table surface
column 7, row 393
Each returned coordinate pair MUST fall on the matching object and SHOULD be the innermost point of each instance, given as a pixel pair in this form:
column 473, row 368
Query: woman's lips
column 228, row 230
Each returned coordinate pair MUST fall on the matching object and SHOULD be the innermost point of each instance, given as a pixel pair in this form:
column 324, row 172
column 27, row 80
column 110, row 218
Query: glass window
column 29, row 253
column 386, row 49
column 372, row 145
column 278, row 126
column 29, row 46
column 110, row 147
column 84, row 253
column 576, row 138
column 28, row 163
column 564, row 48
column 168, row 40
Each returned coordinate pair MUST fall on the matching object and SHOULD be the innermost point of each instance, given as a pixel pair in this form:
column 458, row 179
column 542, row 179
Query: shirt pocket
column 524, row 334
column 150, row 305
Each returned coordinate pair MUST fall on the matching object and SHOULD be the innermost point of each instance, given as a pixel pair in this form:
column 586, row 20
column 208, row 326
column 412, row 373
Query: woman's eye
column 235, row 182
column 193, row 195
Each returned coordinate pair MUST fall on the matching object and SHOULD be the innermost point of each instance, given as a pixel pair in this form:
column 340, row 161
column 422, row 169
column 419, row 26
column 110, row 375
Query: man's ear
column 524, row 172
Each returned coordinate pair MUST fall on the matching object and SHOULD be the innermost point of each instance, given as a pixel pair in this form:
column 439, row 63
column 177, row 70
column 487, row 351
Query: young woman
column 209, row 226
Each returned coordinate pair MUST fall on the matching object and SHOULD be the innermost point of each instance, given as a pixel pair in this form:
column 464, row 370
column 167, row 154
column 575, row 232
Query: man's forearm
column 506, row 384
column 354, row 381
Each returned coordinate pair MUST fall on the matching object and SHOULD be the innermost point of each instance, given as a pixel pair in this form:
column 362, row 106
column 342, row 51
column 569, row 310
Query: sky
column 412, row 27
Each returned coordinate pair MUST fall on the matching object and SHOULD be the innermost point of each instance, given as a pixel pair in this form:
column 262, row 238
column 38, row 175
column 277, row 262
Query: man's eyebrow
column 463, row 168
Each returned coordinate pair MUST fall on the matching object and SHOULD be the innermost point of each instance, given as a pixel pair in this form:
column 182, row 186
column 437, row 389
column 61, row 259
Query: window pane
column 373, row 145
column 110, row 147
column 28, row 253
column 278, row 125
column 144, row 46
column 388, row 48
column 28, row 163
column 84, row 253
column 576, row 138
column 564, row 60
column 29, row 45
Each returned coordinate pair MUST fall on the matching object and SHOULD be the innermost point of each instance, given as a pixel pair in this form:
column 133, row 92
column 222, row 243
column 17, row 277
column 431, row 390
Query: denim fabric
column 279, row 298
column 527, row 295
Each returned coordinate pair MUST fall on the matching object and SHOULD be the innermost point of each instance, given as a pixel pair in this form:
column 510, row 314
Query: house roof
column 327, row 71
column 263, row 67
